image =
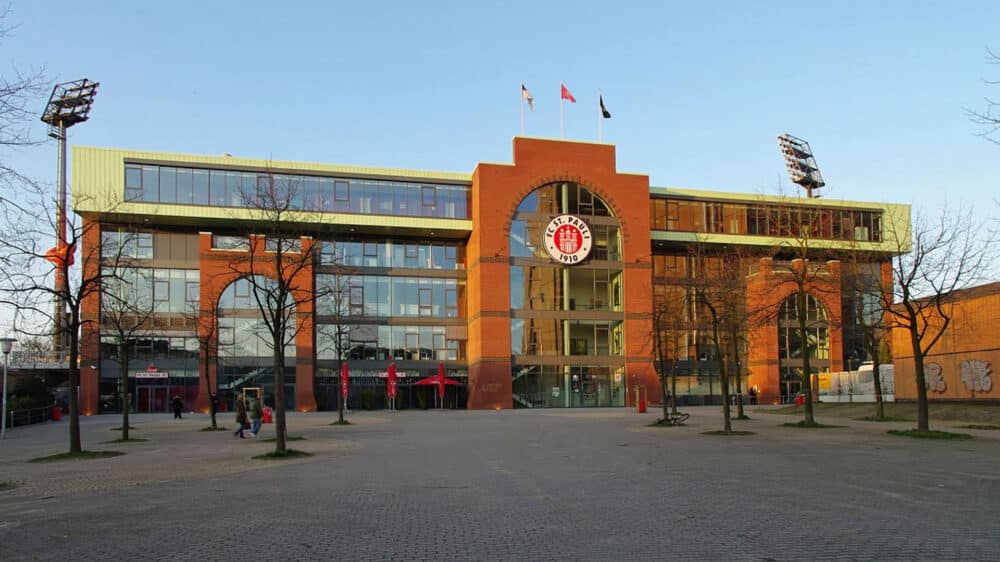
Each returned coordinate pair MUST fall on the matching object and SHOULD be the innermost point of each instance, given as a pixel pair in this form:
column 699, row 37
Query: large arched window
column 792, row 344
column 242, row 329
column 570, row 311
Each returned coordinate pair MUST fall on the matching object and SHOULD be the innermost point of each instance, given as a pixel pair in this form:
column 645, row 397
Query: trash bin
column 267, row 414
column 642, row 406
column 800, row 399
column 56, row 413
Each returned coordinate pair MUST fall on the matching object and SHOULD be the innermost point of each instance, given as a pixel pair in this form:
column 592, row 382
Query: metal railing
column 28, row 416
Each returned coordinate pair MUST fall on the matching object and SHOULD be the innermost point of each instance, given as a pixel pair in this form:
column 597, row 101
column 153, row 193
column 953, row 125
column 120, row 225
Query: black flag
column 604, row 110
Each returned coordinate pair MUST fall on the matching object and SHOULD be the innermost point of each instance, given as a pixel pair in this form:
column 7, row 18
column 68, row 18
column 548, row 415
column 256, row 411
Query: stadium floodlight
column 801, row 163
column 68, row 105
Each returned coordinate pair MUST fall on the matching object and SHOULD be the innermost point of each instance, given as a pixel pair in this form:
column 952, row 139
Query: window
column 342, row 191
column 222, row 242
column 428, row 196
column 287, row 245
column 133, row 183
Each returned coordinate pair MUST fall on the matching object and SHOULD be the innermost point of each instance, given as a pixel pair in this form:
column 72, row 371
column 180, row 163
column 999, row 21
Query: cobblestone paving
column 511, row 485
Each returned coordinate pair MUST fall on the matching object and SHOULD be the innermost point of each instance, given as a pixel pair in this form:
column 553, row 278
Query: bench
column 674, row 419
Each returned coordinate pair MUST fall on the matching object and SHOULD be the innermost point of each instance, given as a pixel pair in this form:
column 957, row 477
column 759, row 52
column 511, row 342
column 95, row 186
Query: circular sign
column 568, row 239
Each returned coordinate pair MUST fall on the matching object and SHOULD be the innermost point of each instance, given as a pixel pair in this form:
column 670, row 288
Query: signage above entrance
column 568, row 239
column 152, row 374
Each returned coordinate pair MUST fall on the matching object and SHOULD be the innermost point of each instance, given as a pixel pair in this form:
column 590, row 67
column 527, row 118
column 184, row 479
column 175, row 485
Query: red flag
column 343, row 380
column 391, row 380
column 564, row 93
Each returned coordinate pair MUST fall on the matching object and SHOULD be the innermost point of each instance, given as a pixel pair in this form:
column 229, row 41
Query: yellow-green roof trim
column 726, row 196
column 93, row 154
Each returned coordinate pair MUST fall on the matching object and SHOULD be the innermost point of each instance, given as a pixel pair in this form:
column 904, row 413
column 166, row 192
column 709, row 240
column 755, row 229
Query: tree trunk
column 801, row 314
column 208, row 387
column 923, row 421
column 340, row 393
column 739, row 375
column 74, row 396
column 673, row 386
column 877, row 379
column 280, row 446
column 123, row 381
column 723, row 377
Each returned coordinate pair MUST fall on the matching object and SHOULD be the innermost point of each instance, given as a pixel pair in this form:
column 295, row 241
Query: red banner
column 343, row 381
column 391, row 380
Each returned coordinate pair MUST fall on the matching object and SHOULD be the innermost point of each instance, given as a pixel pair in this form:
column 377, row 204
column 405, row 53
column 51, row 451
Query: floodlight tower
column 68, row 105
column 801, row 163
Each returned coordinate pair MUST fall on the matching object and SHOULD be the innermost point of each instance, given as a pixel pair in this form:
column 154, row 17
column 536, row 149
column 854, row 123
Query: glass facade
column 791, row 345
column 553, row 306
column 832, row 223
column 380, row 295
column 229, row 188
column 382, row 253
column 166, row 290
column 390, row 343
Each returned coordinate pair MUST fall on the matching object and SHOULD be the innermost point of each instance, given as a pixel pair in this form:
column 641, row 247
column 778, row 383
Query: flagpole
column 600, row 118
column 561, row 135
column 522, row 109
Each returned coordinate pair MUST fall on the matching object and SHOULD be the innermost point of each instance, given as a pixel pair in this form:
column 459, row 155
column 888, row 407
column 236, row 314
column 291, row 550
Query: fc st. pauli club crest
column 568, row 239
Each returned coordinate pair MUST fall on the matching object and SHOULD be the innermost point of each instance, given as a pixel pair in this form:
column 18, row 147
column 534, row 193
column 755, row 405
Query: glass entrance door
column 567, row 386
column 151, row 399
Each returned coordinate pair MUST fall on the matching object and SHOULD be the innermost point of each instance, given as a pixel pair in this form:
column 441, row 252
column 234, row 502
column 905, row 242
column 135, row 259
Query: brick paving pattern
column 510, row 485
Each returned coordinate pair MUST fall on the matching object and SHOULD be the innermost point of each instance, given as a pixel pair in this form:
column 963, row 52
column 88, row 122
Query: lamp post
column 5, row 345
column 68, row 105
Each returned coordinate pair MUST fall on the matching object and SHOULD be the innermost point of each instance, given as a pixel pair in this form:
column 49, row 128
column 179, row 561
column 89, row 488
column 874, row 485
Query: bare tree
column 988, row 118
column 335, row 295
column 278, row 266
column 206, row 321
column 19, row 95
column 720, row 291
column 668, row 329
column 949, row 251
column 28, row 271
column 868, row 296
column 126, row 312
column 809, row 276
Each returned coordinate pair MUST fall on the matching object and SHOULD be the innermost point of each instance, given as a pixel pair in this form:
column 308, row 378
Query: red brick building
column 533, row 283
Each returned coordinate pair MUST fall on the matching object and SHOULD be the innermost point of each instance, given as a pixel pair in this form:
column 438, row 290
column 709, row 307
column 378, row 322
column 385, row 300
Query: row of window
column 556, row 288
column 227, row 188
column 389, row 254
column 532, row 336
column 165, row 290
column 126, row 244
column 365, row 341
column 250, row 337
column 148, row 349
column 373, row 295
column 763, row 219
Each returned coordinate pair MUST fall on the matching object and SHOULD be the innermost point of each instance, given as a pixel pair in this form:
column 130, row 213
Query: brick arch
column 542, row 181
column 219, row 269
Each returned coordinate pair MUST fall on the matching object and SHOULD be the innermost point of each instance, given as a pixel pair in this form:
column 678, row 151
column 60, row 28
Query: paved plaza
column 508, row 485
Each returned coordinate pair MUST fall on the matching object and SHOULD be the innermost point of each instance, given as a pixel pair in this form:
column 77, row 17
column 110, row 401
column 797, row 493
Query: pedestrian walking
column 241, row 418
column 177, row 407
column 256, row 413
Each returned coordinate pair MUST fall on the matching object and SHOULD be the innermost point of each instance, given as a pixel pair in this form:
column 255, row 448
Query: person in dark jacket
column 256, row 413
column 241, row 418
column 177, row 407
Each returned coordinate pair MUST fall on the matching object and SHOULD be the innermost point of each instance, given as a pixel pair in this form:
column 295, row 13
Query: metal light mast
column 801, row 163
column 68, row 105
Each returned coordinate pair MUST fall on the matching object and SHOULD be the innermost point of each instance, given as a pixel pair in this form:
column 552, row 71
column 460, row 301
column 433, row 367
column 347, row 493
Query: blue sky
column 698, row 90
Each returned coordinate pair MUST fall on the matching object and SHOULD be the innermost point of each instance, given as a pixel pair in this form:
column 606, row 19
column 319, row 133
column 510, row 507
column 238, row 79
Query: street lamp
column 5, row 345
column 801, row 163
column 68, row 105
